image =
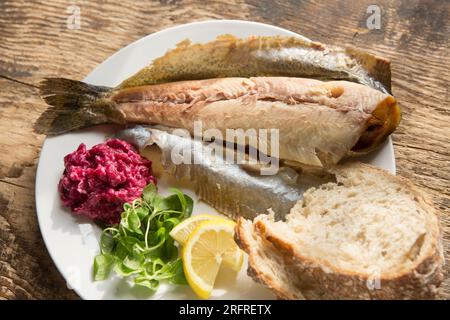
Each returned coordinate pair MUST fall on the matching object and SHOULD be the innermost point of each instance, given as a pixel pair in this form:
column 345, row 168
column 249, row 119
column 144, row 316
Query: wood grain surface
column 35, row 42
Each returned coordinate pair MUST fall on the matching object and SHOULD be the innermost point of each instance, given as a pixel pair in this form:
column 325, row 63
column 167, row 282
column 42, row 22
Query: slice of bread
column 369, row 235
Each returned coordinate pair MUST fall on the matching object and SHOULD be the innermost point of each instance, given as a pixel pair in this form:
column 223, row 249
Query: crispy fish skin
column 319, row 122
column 234, row 190
column 228, row 56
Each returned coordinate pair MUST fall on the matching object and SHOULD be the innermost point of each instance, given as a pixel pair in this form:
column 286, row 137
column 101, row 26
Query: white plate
column 72, row 241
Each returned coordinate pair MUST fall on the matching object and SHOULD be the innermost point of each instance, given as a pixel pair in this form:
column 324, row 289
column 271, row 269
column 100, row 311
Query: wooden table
column 35, row 42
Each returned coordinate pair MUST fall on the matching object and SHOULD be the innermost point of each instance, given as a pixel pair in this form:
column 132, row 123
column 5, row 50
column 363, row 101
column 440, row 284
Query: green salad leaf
column 140, row 245
column 102, row 266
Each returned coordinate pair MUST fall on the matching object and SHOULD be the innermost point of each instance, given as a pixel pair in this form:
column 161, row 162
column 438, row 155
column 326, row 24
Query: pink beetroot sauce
column 97, row 182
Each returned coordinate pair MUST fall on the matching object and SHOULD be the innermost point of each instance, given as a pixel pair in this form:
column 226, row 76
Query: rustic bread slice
column 265, row 262
column 370, row 235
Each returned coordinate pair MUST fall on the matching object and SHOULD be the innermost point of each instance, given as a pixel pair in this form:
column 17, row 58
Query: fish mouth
column 383, row 121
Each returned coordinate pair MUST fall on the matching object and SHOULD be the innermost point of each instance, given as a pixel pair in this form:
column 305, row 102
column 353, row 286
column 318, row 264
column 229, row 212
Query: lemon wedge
column 210, row 245
column 182, row 231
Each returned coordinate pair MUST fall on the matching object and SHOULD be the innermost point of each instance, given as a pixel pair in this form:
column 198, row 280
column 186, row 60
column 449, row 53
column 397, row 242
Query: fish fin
column 378, row 68
column 73, row 105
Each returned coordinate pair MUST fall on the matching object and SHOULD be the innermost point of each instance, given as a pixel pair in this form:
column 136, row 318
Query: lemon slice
column 208, row 246
column 182, row 231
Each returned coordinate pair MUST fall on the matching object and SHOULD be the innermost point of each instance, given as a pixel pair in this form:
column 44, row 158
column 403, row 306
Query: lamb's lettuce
column 140, row 245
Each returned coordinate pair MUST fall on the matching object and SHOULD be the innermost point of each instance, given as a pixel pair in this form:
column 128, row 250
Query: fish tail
column 74, row 105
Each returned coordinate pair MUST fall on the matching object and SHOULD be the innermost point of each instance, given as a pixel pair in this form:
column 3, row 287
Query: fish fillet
column 228, row 56
column 234, row 190
column 319, row 123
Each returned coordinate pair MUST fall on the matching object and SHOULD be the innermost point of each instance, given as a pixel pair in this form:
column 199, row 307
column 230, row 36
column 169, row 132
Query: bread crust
column 314, row 280
column 242, row 237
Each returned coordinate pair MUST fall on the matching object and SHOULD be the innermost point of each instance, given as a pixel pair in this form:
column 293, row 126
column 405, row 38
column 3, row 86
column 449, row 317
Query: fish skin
column 232, row 189
column 228, row 56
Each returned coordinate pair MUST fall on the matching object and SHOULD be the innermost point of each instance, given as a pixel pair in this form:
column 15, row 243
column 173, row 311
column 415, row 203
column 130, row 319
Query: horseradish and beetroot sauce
column 97, row 182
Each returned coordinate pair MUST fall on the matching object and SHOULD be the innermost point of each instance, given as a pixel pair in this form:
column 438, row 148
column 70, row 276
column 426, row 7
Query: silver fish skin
column 232, row 189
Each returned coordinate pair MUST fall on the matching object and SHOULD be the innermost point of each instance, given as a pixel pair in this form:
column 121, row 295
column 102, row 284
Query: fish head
column 139, row 136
